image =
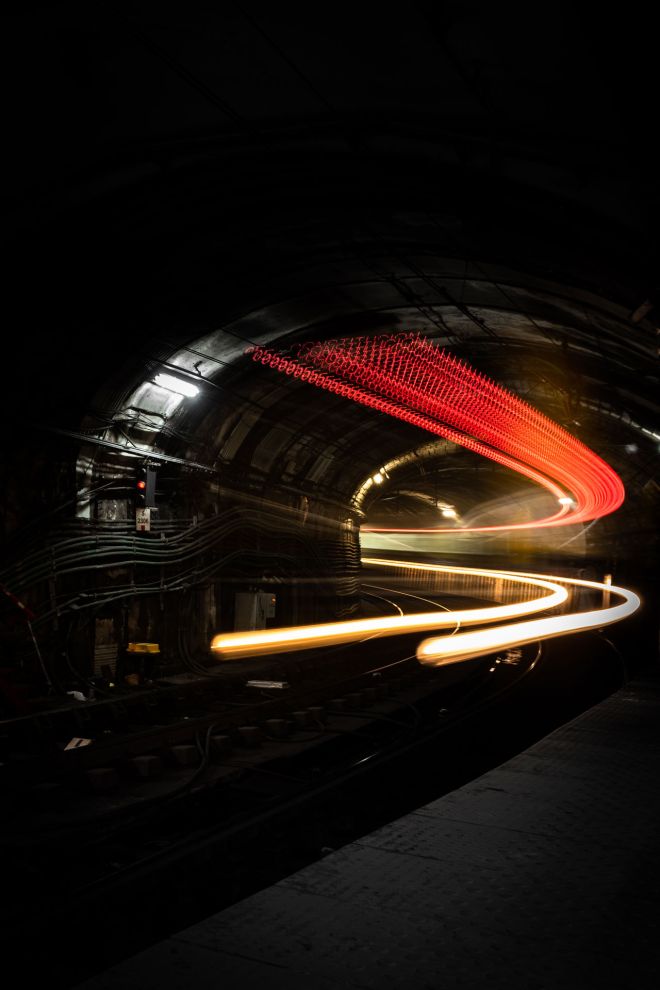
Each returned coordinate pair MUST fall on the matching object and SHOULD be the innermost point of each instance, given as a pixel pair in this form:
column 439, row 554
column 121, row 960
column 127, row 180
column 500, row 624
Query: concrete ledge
column 543, row 873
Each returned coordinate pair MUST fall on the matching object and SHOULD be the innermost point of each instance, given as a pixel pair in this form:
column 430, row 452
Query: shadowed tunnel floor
column 544, row 872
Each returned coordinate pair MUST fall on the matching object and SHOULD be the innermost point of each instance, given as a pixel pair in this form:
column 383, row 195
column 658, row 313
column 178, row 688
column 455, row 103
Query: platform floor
column 542, row 873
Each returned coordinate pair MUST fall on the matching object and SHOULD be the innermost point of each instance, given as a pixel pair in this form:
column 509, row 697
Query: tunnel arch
column 500, row 212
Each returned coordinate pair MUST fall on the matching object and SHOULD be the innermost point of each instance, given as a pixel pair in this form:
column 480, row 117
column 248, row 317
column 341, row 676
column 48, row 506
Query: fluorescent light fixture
column 449, row 512
column 176, row 385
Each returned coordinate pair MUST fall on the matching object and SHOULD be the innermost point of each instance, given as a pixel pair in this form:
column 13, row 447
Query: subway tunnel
column 185, row 187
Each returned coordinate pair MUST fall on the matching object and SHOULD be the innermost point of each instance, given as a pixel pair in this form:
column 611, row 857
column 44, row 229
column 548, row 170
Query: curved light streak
column 451, row 648
column 261, row 642
column 407, row 376
column 439, row 651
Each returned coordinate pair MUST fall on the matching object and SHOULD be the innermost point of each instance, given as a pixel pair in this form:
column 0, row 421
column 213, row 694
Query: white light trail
column 441, row 650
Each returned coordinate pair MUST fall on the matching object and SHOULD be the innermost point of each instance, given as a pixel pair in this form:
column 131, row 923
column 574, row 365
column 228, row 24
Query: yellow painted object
column 143, row 648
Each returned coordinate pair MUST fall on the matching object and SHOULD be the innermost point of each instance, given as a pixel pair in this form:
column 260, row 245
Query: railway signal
column 145, row 488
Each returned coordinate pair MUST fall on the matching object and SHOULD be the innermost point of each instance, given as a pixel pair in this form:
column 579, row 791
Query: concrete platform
column 543, row 873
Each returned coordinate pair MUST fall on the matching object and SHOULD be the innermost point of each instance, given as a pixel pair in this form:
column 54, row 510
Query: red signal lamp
column 145, row 487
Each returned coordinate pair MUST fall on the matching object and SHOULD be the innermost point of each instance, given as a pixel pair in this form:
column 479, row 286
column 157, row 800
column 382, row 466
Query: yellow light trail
column 445, row 649
column 260, row 642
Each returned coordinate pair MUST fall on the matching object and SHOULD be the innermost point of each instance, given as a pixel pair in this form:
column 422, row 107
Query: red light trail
column 407, row 376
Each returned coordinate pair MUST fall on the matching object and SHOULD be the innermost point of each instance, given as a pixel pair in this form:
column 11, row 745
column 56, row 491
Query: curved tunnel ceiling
column 225, row 182
column 563, row 349
column 568, row 354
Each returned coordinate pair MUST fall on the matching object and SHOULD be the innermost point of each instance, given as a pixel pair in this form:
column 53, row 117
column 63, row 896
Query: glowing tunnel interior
column 407, row 376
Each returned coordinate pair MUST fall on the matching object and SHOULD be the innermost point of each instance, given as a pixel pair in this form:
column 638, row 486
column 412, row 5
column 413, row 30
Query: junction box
column 252, row 608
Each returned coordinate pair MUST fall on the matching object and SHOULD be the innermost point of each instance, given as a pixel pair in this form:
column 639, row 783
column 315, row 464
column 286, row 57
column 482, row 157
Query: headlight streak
column 261, row 642
column 456, row 646
column 439, row 651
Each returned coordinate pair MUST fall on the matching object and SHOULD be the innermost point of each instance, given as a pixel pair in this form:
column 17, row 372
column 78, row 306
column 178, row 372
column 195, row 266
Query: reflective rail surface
column 457, row 646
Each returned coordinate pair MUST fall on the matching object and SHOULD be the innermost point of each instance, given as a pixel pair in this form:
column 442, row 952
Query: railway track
column 210, row 776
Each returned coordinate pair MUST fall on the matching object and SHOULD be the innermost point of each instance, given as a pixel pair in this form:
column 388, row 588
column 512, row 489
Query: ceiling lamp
column 176, row 385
